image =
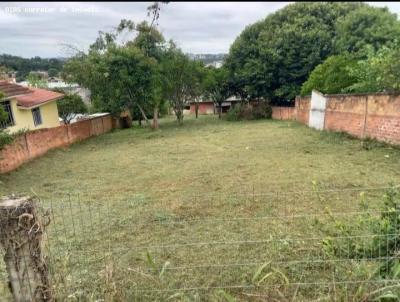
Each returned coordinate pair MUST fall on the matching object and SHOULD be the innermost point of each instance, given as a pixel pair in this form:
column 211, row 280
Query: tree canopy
column 24, row 66
column 140, row 74
column 274, row 57
column 378, row 72
column 331, row 76
column 69, row 106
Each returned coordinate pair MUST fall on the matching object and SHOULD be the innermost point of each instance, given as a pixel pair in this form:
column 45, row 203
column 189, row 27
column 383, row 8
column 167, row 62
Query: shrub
column 381, row 240
column 5, row 139
column 262, row 110
column 233, row 113
column 256, row 111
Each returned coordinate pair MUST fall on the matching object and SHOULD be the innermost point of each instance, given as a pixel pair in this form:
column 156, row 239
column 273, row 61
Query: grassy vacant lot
column 138, row 214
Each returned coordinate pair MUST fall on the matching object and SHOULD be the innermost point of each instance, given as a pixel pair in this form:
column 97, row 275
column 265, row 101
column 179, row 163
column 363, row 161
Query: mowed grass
column 186, row 212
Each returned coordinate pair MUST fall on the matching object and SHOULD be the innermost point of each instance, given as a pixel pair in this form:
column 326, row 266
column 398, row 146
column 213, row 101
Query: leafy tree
column 365, row 26
column 52, row 72
column 274, row 57
column 119, row 77
column 332, row 76
column 70, row 106
column 35, row 81
column 197, row 75
column 177, row 73
column 217, row 86
column 152, row 43
column 380, row 72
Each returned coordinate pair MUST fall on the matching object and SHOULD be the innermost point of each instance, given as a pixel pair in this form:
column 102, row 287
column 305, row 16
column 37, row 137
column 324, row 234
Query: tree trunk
column 179, row 117
column 155, row 118
column 143, row 114
column 220, row 111
column 196, row 109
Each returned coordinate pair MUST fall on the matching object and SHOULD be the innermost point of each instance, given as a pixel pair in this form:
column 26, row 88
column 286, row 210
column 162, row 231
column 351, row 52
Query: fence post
column 21, row 232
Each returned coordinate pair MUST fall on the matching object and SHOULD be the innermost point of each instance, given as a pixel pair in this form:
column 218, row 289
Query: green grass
column 114, row 195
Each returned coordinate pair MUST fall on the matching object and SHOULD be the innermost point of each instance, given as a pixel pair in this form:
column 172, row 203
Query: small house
column 208, row 107
column 28, row 108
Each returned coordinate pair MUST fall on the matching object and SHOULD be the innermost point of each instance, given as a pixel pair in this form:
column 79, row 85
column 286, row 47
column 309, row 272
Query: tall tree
column 177, row 75
column 217, row 86
column 152, row 43
column 366, row 26
column 274, row 57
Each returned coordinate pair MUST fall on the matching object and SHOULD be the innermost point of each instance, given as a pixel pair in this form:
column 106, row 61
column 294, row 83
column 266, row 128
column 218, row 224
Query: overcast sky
column 39, row 29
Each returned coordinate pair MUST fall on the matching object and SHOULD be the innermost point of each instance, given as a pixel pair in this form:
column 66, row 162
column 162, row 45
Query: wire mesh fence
column 331, row 244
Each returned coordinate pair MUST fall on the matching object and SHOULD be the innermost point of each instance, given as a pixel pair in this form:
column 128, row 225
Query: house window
column 37, row 117
column 9, row 121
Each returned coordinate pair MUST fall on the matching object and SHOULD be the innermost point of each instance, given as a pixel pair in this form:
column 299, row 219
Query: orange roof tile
column 11, row 89
column 29, row 97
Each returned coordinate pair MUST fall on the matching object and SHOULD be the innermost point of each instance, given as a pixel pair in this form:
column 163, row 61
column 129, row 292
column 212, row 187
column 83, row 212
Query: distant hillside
column 207, row 58
column 23, row 66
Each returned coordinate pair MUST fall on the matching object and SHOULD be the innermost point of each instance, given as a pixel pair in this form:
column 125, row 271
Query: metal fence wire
column 316, row 245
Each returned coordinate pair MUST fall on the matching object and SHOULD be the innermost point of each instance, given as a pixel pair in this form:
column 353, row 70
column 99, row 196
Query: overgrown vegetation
column 371, row 236
column 244, row 111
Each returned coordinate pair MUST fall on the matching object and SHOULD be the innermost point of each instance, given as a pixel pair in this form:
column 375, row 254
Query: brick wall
column 36, row 143
column 303, row 105
column 345, row 113
column 283, row 113
column 383, row 118
column 361, row 115
column 204, row 108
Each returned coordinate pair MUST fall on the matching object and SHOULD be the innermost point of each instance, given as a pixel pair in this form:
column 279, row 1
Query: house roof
column 12, row 89
column 28, row 97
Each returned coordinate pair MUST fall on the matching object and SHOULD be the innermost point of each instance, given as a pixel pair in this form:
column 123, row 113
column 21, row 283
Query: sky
column 43, row 28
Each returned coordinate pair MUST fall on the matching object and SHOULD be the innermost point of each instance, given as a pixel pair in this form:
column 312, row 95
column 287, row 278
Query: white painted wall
column 317, row 111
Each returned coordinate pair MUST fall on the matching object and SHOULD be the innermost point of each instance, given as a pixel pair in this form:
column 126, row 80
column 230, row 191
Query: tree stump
column 21, row 238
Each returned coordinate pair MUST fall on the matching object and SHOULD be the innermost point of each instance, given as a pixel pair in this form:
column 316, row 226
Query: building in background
column 208, row 107
column 9, row 76
column 68, row 88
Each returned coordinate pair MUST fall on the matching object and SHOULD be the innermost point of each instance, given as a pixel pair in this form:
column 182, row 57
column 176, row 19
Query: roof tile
column 28, row 97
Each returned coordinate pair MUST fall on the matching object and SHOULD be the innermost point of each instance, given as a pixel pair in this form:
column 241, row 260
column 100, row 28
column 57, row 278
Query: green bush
column 369, row 236
column 233, row 113
column 261, row 110
column 5, row 139
column 331, row 76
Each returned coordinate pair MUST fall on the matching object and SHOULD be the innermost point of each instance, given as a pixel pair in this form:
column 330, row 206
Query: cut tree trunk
column 21, row 237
